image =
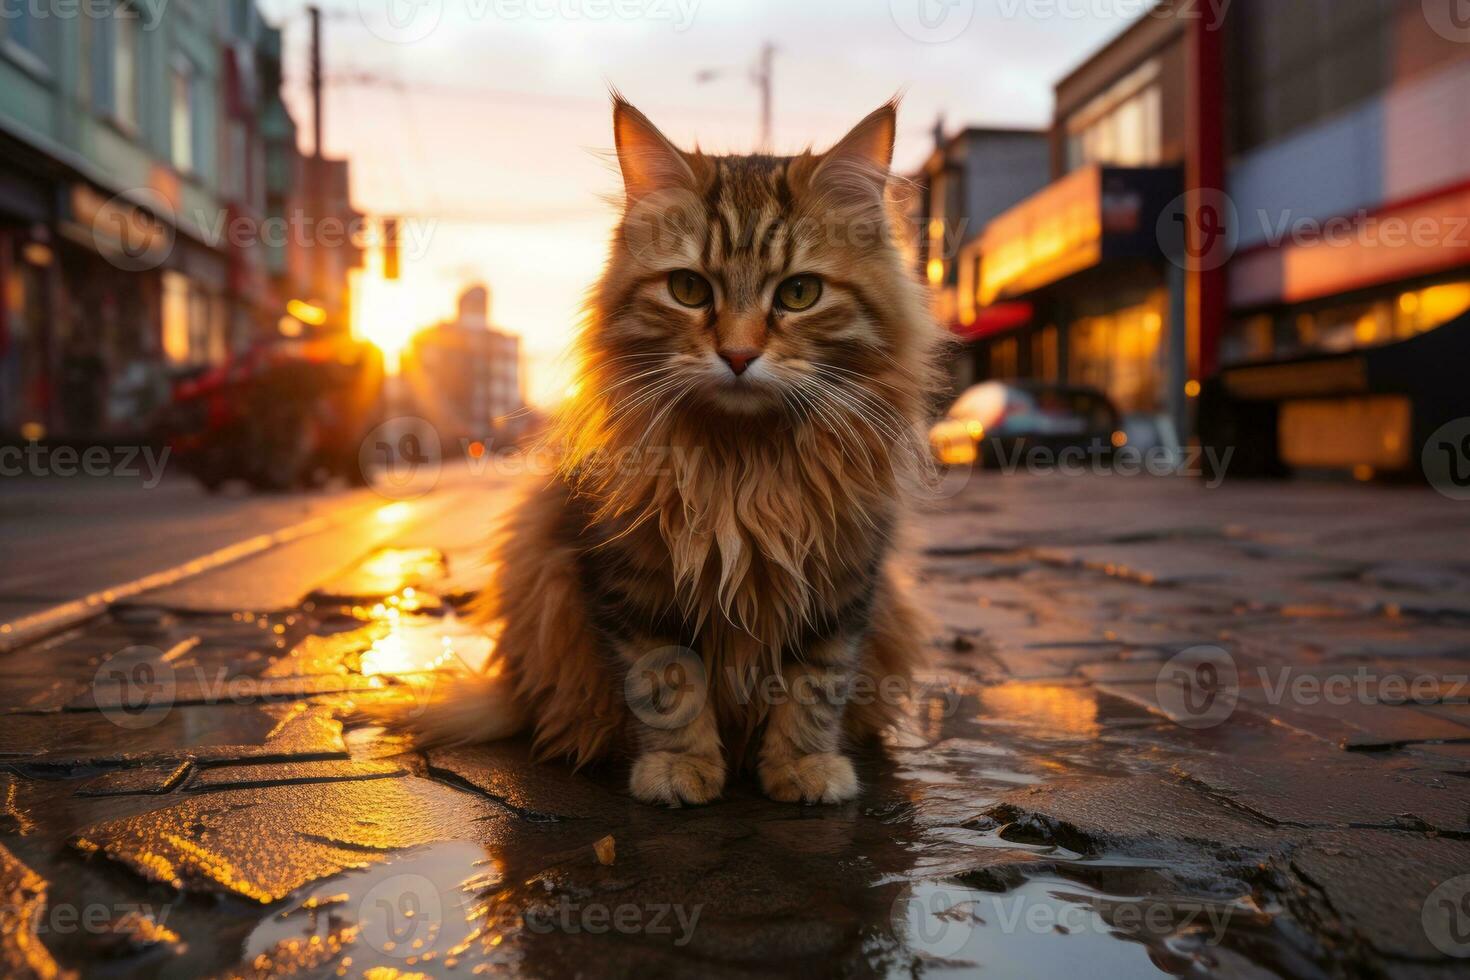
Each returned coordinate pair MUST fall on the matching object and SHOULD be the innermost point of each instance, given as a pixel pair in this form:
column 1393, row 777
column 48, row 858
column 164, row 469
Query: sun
column 385, row 314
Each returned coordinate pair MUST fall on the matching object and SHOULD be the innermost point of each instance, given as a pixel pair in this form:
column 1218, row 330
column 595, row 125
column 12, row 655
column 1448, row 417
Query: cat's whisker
column 893, row 421
column 653, row 425
column 865, row 378
column 661, row 376
column 823, row 419
column 856, row 407
column 826, row 411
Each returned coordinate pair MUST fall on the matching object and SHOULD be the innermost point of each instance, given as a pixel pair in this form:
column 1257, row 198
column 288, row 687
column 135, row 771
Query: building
column 464, row 375
column 1347, row 320
column 1088, row 293
column 969, row 178
column 109, row 148
column 1224, row 193
column 144, row 152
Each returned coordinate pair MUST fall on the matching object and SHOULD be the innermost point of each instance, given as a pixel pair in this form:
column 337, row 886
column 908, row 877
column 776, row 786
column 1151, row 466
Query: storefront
column 28, row 293
column 1083, row 260
column 1328, row 369
column 103, row 301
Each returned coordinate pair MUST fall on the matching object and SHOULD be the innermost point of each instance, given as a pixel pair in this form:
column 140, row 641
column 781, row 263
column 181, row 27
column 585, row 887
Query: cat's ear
column 855, row 171
column 648, row 160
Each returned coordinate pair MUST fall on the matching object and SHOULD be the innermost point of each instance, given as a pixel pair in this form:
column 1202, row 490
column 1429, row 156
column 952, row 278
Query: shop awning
column 1074, row 224
column 993, row 320
column 1417, row 238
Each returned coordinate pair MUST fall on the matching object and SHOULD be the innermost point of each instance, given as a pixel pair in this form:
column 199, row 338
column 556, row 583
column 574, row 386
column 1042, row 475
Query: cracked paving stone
column 185, row 690
column 1122, row 671
column 1368, row 726
column 1141, row 815
column 1166, row 563
column 84, row 736
column 264, row 843
column 506, row 771
column 13, row 816
column 148, row 779
column 1328, row 640
column 215, row 778
column 1418, row 576
column 1318, row 790
column 138, row 932
column 22, row 902
column 29, row 693
column 1379, row 883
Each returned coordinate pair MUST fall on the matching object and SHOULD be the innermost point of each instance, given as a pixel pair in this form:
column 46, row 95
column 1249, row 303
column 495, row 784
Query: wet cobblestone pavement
column 1169, row 731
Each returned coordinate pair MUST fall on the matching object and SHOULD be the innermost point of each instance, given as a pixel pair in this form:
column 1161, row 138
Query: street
column 1169, row 730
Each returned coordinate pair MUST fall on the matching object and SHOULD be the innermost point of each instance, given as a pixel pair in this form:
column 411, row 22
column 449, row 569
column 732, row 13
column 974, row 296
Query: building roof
column 1128, row 47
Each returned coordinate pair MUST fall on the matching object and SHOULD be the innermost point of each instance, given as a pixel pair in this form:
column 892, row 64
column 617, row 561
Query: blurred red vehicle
column 283, row 415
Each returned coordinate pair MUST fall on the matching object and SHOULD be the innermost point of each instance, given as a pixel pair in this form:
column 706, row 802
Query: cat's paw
column 826, row 777
column 674, row 779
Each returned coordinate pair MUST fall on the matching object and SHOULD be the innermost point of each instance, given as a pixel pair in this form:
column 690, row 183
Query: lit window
column 181, row 119
column 176, row 346
column 1425, row 309
column 1122, row 127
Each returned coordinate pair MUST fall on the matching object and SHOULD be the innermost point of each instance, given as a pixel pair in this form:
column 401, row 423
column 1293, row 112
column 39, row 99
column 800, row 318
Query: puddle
column 411, row 914
column 389, row 571
column 1052, row 710
column 1008, row 777
column 414, row 644
column 1051, row 928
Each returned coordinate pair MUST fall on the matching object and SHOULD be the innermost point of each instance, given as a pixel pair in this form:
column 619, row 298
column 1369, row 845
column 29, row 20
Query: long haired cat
column 706, row 581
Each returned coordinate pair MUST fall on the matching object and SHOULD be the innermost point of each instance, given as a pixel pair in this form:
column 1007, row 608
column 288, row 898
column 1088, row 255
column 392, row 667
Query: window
column 182, row 119
column 1340, row 327
column 1122, row 127
column 1045, row 360
column 1293, row 64
column 113, row 66
column 125, row 69
column 1120, row 353
column 240, row 18
column 1005, row 359
column 1249, row 339
column 194, row 330
column 27, row 29
column 176, row 318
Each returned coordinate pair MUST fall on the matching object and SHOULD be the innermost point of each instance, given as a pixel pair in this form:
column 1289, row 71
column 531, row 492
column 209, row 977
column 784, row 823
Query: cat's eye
column 689, row 288
column 799, row 292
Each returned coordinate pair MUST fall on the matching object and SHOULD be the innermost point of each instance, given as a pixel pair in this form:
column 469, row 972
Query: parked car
column 282, row 415
column 1002, row 420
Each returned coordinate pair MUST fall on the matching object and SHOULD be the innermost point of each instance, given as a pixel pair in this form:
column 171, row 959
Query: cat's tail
column 443, row 709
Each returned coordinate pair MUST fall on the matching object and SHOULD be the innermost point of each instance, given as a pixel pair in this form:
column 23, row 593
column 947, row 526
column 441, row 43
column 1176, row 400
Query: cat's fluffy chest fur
column 766, row 538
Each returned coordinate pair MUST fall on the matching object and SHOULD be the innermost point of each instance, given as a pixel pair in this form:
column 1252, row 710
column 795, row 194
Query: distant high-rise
column 465, row 375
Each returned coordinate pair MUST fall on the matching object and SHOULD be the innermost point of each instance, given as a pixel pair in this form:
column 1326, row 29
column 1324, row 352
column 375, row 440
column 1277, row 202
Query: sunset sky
column 486, row 122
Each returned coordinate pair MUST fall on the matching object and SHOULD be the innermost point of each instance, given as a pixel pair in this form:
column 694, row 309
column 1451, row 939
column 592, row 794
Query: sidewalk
column 1170, row 731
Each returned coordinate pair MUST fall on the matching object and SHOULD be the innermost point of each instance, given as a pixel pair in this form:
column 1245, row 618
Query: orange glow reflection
column 1057, row 708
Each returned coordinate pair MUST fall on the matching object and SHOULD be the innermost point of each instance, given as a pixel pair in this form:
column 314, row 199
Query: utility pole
column 318, row 260
column 316, row 80
column 761, row 73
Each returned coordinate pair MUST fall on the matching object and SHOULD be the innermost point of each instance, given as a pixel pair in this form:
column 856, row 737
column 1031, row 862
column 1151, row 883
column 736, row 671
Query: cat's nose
column 739, row 359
